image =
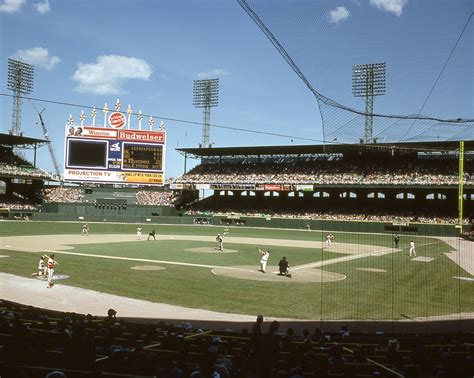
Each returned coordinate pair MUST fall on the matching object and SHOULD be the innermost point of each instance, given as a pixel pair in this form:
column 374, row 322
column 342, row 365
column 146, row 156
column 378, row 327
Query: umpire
column 283, row 266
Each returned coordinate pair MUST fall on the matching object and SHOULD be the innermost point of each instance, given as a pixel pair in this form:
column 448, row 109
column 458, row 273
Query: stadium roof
column 322, row 149
column 17, row 140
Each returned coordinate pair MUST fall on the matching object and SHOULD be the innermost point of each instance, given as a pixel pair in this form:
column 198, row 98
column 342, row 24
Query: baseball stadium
column 357, row 253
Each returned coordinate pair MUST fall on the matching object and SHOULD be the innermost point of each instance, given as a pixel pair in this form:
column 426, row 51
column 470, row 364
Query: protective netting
column 299, row 31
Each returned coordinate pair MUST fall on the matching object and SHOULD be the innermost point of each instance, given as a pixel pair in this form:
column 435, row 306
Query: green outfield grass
column 406, row 289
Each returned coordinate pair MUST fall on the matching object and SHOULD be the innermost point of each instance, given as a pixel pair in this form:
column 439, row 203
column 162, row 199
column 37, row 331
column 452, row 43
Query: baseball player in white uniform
column 329, row 239
column 85, row 230
column 264, row 255
column 139, row 233
column 41, row 267
column 51, row 265
column 412, row 251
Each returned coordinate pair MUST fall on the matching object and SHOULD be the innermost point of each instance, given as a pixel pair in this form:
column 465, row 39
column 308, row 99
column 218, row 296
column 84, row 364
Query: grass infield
column 377, row 286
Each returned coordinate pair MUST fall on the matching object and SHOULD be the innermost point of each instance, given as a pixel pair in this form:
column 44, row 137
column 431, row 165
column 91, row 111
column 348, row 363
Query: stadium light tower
column 206, row 96
column 20, row 81
column 368, row 81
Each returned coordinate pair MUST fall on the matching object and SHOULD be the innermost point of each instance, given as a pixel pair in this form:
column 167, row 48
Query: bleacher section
column 416, row 182
column 36, row 341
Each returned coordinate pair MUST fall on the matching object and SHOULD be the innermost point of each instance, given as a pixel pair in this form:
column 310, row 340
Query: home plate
column 465, row 279
column 423, row 259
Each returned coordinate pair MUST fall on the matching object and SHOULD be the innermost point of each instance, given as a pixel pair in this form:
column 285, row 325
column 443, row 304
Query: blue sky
column 147, row 53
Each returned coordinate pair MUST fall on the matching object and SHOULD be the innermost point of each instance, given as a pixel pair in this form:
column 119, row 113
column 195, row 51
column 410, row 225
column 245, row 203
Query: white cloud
column 391, row 6
column 107, row 75
column 38, row 56
column 43, row 7
column 338, row 14
column 11, row 6
column 215, row 72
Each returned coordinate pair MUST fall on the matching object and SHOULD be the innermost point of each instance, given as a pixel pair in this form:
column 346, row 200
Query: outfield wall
column 167, row 215
column 346, row 226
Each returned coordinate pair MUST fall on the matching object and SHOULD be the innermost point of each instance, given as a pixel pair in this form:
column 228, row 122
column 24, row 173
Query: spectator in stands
column 256, row 340
column 224, row 358
column 269, row 349
column 167, row 369
column 206, row 369
column 111, row 317
column 344, row 332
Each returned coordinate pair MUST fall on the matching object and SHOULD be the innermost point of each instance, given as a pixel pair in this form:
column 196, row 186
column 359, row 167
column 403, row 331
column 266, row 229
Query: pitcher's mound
column 251, row 272
column 210, row 250
column 147, row 267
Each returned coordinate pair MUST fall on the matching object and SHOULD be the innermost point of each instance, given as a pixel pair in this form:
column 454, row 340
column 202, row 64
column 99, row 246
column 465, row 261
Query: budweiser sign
column 142, row 136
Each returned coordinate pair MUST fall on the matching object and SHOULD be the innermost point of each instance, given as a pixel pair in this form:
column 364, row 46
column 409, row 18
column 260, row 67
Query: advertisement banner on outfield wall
column 274, row 187
column 304, row 188
column 174, row 185
column 202, row 186
column 95, row 154
column 233, row 186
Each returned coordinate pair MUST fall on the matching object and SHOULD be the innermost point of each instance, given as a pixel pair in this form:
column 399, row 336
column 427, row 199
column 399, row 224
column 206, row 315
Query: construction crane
column 52, row 152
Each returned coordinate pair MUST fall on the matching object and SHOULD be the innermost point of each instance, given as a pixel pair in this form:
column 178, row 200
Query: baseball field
column 359, row 277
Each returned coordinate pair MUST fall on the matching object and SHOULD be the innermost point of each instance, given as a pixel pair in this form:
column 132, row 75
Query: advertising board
column 116, row 156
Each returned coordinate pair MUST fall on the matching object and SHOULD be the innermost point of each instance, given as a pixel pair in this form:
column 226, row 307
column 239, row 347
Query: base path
column 32, row 291
column 463, row 253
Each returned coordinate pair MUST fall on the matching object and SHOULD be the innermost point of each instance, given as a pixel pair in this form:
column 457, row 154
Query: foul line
column 318, row 264
column 142, row 260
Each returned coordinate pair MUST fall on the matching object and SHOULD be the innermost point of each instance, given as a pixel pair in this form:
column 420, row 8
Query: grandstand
column 37, row 341
column 409, row 182
column 20, row 180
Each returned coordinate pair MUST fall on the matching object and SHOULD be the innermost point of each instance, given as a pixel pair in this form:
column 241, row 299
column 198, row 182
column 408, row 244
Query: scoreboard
column 104, row 155
column 148, row 157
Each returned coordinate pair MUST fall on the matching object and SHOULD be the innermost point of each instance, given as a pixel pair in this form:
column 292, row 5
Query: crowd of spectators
column 36, row 340
column 339, row 215
column 143, row 197
column 10, row 204
column 329, row 173
column 62, row 194
column 13, row 165
column 156, row 198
